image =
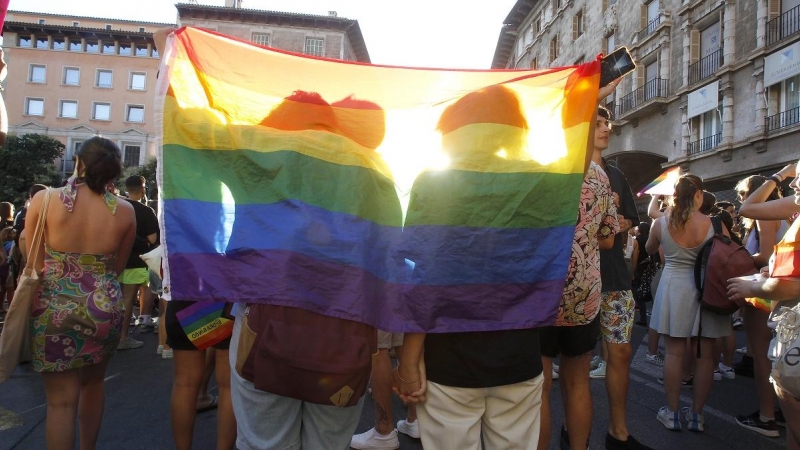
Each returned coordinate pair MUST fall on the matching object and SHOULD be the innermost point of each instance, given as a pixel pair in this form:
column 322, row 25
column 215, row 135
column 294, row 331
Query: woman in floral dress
column 77, row 317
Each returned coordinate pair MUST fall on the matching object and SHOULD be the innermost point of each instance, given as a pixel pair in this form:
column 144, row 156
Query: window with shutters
column 705, row 52
column 788, row 104
column 783, row 20
column 578, row 24
column 607, row 3
column 314, row 46
column 554, row 48
column 260, row 39
column 131, row 154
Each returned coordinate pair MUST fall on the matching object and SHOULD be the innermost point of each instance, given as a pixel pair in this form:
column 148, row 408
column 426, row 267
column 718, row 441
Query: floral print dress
column 77, row 317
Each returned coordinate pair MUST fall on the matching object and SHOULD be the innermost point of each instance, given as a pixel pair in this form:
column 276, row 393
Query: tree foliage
column 26, row 160
column 148, row 171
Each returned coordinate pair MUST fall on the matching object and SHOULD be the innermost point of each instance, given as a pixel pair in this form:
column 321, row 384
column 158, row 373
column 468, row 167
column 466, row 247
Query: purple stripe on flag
column 286, row 278
column 197, row 311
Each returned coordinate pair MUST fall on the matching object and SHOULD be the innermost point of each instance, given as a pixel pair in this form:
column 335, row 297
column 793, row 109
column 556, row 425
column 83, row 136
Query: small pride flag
column 205, row 323
column 664, row 184
column 325, row 185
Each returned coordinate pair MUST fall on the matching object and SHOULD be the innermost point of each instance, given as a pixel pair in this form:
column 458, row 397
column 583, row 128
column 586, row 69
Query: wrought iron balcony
column 783, row 26
column 650, row 28
column 706, row 67
column 705, row 144
column 783, row 120
column 655, row 89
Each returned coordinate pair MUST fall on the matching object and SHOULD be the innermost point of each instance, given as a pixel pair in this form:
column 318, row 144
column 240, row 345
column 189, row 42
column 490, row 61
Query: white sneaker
column 555, row 367
column 160, row 349
column 657, row 359
column 594, row 362
column 742, row 350
column 371, row 439
column 717, row 375
column 167, row 353
column 725, row 372
column 555, row 374
column 129, row 343
column 409, row 428
column 599, row 373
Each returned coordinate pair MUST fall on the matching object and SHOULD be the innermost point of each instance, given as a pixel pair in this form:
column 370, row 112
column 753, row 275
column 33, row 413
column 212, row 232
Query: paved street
column 137, row 409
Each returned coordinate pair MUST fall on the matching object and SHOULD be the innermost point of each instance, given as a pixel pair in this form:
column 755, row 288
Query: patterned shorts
column 616, row 316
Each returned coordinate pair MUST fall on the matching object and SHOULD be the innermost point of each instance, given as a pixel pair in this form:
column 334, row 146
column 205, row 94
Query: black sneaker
column 613, row 443
column 753, row 422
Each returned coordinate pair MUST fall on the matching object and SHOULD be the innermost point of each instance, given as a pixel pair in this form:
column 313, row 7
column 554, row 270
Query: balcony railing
column 705, row 144
column 655, row 88
column 783, row 26
column 706, row 67
column 784, row 119
column 650, row 28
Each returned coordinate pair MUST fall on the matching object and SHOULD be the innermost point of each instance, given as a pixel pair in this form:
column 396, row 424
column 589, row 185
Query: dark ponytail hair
column 102, row 163
column 683, row 200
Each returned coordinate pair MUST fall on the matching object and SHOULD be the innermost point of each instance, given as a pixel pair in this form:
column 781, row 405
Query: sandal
column 211, row 405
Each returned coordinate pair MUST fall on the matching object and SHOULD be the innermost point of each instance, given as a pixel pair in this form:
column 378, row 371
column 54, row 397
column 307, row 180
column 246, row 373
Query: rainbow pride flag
column 664, row 184
column 205, row 323
column 408, row 199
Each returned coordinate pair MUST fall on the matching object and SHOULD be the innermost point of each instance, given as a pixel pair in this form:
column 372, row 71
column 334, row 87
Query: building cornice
column 334, row 23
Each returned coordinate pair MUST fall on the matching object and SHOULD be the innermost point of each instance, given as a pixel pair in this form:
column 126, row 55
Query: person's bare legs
column 728, row 349
column 226, row 422
column 573, row 376
column 652, row 341
column 145, row 300
column 545, row 432
column 162, row 324
column 673, row 371
column 758, row 338
column 187, row 376
column 411, row 413
column 791, row 411
column 92, row 401
column 129, row 292
column 62, row 392
column 617, row 371
column 381, row 381
column 703, row 373
column 203, row 398
column 687, row 363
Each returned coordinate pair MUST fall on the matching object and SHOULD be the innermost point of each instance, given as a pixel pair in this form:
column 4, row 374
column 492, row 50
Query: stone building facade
column 74, row 77
column 716, row 90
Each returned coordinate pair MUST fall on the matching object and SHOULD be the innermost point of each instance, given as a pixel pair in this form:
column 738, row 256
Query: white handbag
column 786, row 369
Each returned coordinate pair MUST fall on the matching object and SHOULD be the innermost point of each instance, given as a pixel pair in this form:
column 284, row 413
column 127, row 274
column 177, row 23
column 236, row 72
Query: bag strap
column 38, row 234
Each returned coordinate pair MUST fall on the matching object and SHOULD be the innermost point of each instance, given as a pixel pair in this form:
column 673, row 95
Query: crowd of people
column 463, row 390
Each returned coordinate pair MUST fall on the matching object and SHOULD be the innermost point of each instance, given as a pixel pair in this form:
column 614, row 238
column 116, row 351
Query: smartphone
column 615, row 65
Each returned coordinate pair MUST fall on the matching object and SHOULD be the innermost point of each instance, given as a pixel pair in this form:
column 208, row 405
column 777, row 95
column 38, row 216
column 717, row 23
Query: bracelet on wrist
column 397, row 369
column 776, row 178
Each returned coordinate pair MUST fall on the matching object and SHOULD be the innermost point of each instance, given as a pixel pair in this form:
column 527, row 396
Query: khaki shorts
column 389, row 340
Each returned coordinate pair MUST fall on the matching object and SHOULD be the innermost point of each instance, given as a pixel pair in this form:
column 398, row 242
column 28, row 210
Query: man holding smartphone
column 617, row 305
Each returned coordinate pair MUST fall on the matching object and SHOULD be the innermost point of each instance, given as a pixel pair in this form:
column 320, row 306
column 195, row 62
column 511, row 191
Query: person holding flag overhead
column 486, row 383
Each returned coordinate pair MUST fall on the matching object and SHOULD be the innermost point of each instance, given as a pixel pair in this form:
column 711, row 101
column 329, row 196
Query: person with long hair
column 760, row 239
column 783, row 290
column 676, row 312
column 77, row 317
